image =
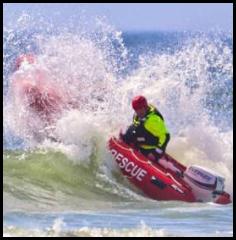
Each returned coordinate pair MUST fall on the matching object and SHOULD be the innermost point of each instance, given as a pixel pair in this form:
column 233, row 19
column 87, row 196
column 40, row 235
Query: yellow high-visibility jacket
column 152, row 127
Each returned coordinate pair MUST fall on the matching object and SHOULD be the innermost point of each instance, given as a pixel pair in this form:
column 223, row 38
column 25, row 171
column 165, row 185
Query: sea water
column 73, row 187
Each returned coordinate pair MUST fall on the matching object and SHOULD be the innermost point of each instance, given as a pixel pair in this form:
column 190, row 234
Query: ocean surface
column 73, row 187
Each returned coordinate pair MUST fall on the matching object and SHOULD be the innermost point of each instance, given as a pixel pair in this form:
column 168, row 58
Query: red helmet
column 24, row 58
column 139, row 102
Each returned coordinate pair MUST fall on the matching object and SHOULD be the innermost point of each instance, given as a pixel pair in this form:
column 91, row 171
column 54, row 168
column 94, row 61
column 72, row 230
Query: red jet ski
column 165, row 182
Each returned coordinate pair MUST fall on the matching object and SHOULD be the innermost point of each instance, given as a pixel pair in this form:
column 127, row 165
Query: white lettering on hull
column 128, row 166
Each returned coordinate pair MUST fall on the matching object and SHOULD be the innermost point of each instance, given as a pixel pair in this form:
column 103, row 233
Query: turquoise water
column 73, row 187
column 159, row 220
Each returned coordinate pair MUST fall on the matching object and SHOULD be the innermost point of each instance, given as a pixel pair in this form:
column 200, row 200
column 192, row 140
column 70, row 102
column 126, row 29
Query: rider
column 148, row 131
column 149, row 134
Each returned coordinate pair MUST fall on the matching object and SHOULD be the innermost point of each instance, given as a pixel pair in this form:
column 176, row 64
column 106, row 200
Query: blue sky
column 135, row 16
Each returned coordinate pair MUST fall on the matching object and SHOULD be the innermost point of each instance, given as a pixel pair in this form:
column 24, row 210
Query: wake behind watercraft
column 195, row 184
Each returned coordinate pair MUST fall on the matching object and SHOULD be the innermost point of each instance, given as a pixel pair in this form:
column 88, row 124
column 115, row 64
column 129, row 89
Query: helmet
column 24, row 58
column 139, row 102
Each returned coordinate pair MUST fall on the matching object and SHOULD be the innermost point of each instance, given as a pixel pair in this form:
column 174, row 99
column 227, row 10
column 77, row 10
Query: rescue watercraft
column 169, row 181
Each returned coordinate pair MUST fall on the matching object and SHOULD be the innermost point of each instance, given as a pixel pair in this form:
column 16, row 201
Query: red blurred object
column 35, row 86
column 44, row 101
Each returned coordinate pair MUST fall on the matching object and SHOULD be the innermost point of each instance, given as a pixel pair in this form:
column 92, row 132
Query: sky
column 135, row 16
